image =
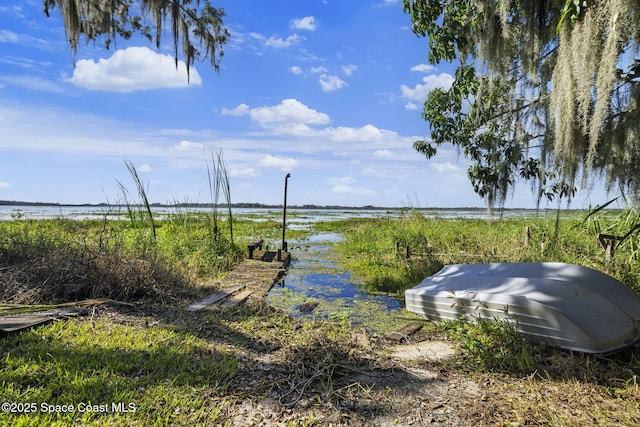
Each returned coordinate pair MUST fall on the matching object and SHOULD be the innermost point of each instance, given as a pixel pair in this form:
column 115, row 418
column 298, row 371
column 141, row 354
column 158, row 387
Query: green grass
column 158, row 375
column 369, row 248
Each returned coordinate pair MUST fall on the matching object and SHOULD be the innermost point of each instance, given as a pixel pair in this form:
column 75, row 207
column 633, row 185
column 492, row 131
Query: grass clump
column 494, row 346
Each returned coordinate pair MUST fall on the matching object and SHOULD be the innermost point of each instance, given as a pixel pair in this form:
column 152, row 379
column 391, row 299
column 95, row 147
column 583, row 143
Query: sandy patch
column 427, row 350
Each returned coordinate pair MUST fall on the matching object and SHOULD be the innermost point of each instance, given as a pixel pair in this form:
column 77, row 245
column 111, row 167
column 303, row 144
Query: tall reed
column 145, row 210
column 219, row 179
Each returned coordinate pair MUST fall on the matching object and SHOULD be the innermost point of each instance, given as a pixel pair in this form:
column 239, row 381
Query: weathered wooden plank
column 236, row 299
column 255, row 275
column 17, row 322
column 213, row 298
column 405, row 331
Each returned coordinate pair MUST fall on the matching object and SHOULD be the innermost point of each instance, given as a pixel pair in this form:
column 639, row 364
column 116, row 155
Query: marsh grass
column 369, row 247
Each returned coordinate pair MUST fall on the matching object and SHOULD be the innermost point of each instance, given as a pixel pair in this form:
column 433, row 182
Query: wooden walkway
column 251, row 278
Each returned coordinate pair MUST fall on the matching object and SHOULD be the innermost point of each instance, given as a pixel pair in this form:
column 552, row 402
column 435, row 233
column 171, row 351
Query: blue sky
column 328, row 90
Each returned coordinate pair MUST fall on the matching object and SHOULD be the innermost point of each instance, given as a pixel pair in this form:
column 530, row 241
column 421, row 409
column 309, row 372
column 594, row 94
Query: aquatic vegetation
column 375, row 250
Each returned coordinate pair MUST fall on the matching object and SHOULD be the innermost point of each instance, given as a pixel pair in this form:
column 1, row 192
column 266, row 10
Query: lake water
column 315, row 278
column 296, row 217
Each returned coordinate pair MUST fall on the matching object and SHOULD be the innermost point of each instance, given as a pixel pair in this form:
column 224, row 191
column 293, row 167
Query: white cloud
column 366, row 133
column 346, row 189
column 317, row 70
column 4, row 184
column 289, row 111
column 411, row 106
column 145, row 168
column 186, row 146
column 32, row 82
column 445, row 167
column 7, row 36
column 133, row 69
column 243, row 172
column 420, row 91
column 306, row 23
column 382, row 153
column 330, row 83
column 341, row 180
column 349, row 69
column 373, row 172
column 295, row 69
column 240, row 110
column 279, row 43
column 285, row 164
column 424, row 68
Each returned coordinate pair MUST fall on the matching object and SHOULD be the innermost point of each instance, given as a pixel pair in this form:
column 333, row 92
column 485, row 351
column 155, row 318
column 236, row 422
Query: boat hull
column 567, row 305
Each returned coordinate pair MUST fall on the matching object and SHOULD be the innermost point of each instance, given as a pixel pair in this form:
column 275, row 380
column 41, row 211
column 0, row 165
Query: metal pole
column 284, row 213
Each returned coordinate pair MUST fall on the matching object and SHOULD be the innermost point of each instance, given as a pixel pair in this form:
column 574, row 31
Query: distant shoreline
column 269, row 206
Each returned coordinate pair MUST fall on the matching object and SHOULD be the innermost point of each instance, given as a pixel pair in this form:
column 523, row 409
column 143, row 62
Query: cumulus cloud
column 420, row 91
column 285, row 164
column 280, row 43
column 240, row 110
column 4, row 184
column 133, row 69
column 411, row 106
column 288, row 111
column 330, row 83
column 306, row 23
column 292, row 117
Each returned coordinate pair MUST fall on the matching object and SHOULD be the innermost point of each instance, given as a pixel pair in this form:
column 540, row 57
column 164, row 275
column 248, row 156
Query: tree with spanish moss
column 545, row 90
column 196, row 27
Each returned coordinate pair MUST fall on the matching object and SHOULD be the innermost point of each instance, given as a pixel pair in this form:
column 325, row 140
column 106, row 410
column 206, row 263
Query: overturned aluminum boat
column 573, row 307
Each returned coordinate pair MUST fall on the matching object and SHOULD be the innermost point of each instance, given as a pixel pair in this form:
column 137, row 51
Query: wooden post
column 527, row 236
column 397, row 249
column 406, row 252
column 543, row 240
column 609, row 243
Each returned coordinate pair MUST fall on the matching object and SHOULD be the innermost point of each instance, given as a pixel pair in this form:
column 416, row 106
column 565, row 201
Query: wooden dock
column 252, row 278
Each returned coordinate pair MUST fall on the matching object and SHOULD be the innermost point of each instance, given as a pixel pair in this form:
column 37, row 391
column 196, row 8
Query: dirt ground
column 373, row 383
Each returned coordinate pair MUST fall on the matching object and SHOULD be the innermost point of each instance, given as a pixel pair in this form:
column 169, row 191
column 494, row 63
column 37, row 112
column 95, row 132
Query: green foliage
column 369, row 246
column 544, row 91
column 494, row 345
column 196, row 26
